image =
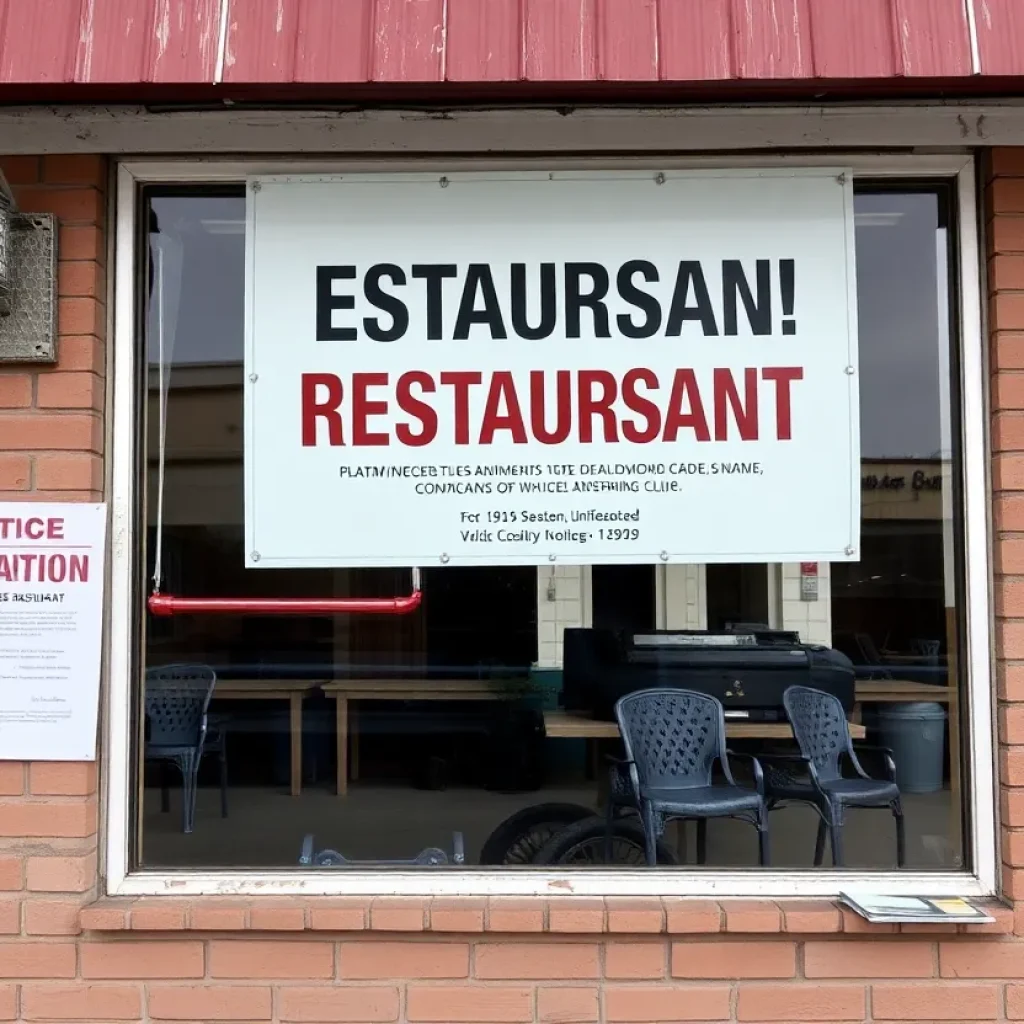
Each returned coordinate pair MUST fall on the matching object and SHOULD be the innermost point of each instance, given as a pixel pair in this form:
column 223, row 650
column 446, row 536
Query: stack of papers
column 913, row 909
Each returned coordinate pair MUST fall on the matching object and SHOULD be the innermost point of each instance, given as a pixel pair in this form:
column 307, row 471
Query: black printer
column 746, row 668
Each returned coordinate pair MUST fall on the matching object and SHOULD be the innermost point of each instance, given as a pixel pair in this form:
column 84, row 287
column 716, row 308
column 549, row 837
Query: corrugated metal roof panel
column 853, row 40
column 933, row 38
column 695, row 41
column 280, row 42
column 112, row 44
column 483, row 41
column 559, row 44
column 184, row 41
column 261, row 40
column 333, row 41
column 407, row 43
column 1000, row 36
column 627, row 40
column 37, row 42
column 773, row 39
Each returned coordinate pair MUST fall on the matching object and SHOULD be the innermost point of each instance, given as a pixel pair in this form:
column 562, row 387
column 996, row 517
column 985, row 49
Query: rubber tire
column 520, row 836
column 592, row 829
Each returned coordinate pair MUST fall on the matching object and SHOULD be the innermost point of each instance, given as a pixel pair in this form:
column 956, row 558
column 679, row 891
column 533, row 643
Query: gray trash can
column 916, row 735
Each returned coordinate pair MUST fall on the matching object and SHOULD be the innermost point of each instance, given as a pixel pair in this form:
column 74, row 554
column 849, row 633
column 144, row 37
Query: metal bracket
column 433, row 856
column 29, row 333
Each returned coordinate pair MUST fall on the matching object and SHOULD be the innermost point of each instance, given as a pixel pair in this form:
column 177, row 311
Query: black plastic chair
column 815, row 775
column 216, row 743
column 176, row 702
column 927, row 650
column 673, row 739
column 872, row 657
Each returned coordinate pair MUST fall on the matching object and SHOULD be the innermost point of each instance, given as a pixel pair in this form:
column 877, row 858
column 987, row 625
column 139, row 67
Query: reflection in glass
column 895, row 611
column 737, row 594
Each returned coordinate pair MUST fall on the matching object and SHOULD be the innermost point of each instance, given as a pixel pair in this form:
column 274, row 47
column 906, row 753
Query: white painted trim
column 117, row 769
column 228, row 169
column 983, row 836
column 109, row 246
column 444, row 40
column 972, row 32
column 411, row 133
column 222, row 42
column 117, row 747
column 513, row 882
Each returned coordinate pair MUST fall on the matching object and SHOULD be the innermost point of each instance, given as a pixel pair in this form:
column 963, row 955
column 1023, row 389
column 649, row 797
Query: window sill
column 506, row 915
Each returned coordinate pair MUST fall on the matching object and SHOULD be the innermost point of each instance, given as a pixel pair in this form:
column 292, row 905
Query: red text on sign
column 587, row 406
column 31, row 528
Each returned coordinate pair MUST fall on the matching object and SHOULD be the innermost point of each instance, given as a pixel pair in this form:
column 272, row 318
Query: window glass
column 737, row 594
column 896, row 612
column 623, row 597
column 474, row 726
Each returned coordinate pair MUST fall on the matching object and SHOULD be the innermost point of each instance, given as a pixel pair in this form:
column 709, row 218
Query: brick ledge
column 507, row 915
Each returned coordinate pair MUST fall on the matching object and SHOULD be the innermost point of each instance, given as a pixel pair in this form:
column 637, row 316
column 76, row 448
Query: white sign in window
column 534, row 368
column 51, row 617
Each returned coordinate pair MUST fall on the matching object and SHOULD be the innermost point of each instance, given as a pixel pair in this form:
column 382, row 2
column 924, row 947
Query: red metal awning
column 221, row 45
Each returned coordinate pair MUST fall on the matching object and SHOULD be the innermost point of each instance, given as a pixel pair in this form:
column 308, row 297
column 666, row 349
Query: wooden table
column 291, row 690
column 566, row 725
column 900, row 691
column 345, row 691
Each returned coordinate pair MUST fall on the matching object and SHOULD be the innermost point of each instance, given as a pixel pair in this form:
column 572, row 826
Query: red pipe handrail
column 167, row 605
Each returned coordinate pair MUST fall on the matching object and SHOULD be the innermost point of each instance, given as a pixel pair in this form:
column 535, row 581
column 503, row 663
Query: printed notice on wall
column 570, row 367
column 51, row 617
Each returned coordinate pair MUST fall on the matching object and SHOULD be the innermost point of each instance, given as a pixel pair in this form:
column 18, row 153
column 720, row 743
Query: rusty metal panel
column 408, row 41
column 773, row 39
column 37, row 40
column 333, row 42
column 627, row 42
column 695, row 40
column 261, row 39
column 853, row 40
column 111, row 40
column 560, row 41
column 1000, row 25
column 483, row 41
column 932, row 38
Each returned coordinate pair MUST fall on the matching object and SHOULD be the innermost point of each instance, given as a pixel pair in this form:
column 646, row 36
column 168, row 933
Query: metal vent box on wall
column 29, row 333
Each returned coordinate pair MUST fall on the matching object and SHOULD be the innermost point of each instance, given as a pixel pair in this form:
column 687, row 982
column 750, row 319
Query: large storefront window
column 382, row 737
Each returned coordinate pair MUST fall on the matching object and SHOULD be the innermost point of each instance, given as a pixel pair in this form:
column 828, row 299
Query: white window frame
column 125, row 605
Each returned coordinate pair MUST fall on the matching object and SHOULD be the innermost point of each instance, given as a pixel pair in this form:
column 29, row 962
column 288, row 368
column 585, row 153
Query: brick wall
column 51, row 449
column 51, row 430
column 67, row 956
column 1004, row 207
